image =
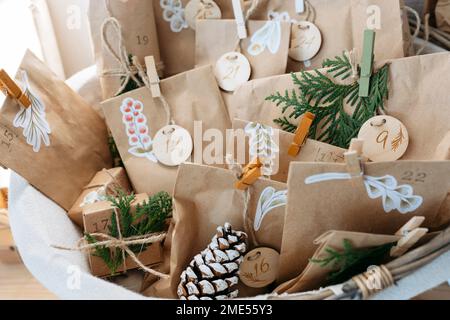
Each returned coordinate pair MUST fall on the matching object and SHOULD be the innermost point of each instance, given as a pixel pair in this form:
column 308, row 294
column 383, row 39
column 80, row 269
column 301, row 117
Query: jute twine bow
column 248, row 222
column 376, row 279
column 127, row 69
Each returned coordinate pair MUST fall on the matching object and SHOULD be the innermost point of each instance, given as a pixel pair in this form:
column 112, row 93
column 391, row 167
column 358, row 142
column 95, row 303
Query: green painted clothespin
column 367, row 63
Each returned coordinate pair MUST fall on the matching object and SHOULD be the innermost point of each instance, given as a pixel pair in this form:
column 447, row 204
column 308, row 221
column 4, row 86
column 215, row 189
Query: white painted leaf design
column 262, row 145
column 269, row 36
column 33, row 120
column 269, row 200
column 94, row 197
column 173, row 12
column 142, row 153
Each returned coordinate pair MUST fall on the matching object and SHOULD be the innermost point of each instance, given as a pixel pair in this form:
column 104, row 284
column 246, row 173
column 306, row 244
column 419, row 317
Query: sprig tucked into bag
column 320, row 94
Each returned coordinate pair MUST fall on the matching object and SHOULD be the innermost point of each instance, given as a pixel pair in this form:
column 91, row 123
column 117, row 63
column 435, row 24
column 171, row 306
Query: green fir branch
column 351, row 262
column 327, row 99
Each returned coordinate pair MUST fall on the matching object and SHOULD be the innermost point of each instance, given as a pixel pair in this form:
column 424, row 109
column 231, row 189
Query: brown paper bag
column 414, row 99
column 182, row 39
column 411, row 189
column 104, row 183
column 134, row 22
column 192, row 96
column 443, row 15
column 311, row 151
column 210, row 47
column 314, row 275
column 68, row 140
column 204, row 199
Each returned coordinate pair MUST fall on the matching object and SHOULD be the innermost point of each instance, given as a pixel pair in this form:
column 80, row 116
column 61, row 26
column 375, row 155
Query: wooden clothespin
column 299, row 6
column 240, row 20
column 353, row 158
column 301, row 134
column 411, row 234
column 367, row 62
column 152, row 74
column 251, row 173
column 12, row 90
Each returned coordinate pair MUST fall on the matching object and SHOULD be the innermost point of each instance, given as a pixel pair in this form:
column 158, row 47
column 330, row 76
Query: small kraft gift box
column 104, row 225
column 104, row 183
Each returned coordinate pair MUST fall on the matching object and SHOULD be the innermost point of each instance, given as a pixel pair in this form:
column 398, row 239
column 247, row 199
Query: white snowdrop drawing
column 394, row 196
column 94, row 197
column 262, row 145
column 269, row 36
column 173, row 12
column 33, row 120
column 269, row 200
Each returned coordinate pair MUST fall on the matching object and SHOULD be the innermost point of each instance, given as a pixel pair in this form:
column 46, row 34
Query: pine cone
column 213, row 274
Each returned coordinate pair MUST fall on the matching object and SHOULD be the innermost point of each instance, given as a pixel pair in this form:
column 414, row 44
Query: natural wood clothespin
column 152, row 74
column 240, row 20
column 301, row 134
column 12, row 89
column 353, row 158
column 367, row 62
column 299, row 6
column 251, row 173
column 411, row 234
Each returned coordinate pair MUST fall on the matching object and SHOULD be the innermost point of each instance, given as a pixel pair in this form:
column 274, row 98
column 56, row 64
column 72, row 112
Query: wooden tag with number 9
column 385, row 139
column 259, row 268
column 232, row 70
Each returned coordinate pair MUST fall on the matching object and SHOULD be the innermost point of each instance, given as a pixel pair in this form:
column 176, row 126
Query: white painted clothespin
column 240, row 20
column 299, row 6
column 152, row 74
column 411, row 233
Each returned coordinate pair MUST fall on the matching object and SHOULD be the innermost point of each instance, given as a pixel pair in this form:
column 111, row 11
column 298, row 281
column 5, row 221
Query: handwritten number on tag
column 232, row 72
column 7, row 138
column 410, row 176
column 262, row 267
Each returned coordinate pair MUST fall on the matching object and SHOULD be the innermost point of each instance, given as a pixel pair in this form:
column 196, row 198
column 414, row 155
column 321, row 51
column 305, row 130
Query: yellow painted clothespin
column 12, row 90
column 411, row 233
column 301, row 134
column 367, row 62
column 240, row 20
column 152, row 74
column 353, row 159
column 251, row 173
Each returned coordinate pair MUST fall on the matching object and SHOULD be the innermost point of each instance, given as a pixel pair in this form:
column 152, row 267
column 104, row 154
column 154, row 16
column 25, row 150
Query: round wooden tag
column 232, row 70
column 259, row 268
column 386, row 139
column 172, row 145
column 201, row 9
column 306, row 41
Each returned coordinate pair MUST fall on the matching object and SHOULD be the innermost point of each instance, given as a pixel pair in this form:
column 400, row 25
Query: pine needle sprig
column 149, row 217
column 351, row 262
column 327, row 99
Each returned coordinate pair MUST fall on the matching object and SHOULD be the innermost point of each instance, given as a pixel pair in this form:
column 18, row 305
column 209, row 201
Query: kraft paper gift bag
column 272, row 145
column 175, row 35
column 414, row 99
column 315, row 276
column 58, row 143
column 119, row 31
column 205, row 198
column 443, row 15
column 323, row 197
column 272, row 60
column 192, row 96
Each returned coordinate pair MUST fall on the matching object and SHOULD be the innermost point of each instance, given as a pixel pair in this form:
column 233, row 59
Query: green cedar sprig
column 327, row 99
column 150, row 217
column 351, row 262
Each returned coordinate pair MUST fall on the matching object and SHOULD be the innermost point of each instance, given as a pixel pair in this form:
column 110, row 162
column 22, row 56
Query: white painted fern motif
column 263, row 145
column 269, row 200
column 36, row 129
column 394, row 197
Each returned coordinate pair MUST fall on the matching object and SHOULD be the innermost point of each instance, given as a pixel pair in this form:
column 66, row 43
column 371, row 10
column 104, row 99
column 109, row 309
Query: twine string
column 376, row 279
